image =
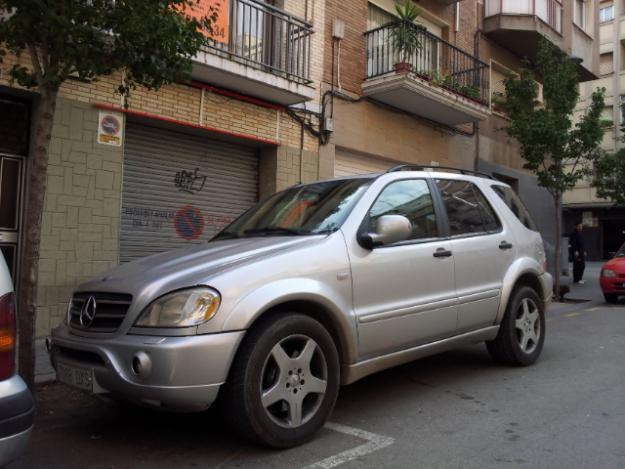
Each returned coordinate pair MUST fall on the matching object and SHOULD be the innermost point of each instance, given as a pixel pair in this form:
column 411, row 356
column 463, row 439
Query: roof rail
column 423, row 167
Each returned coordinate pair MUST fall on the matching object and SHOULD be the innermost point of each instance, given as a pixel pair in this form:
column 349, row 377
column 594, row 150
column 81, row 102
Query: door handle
column 442, row 252
column 505, row 245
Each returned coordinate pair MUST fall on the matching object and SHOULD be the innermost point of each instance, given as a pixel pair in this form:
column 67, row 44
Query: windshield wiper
column 275, row 230
column 226, row 235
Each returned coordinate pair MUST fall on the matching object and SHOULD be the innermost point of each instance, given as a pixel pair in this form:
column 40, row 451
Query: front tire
column 610, row 298
column 284, row 381
column 522, row 331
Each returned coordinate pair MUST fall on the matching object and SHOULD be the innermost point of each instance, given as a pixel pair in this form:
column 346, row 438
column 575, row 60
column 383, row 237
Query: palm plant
column 405, row 34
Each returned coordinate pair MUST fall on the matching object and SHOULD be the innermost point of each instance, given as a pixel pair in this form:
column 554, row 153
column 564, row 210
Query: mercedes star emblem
column 87, row 314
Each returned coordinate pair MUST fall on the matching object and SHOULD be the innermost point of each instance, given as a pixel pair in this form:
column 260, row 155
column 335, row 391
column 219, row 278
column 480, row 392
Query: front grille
column 79, row 355
column 110, row 311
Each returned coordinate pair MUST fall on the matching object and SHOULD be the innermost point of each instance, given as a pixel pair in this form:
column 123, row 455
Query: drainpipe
column 476, row 125
column 616, row 60
column 301, row 154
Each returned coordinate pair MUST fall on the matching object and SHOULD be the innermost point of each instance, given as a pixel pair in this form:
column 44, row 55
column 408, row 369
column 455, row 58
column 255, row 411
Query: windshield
column 309, row 209
column 621, row 252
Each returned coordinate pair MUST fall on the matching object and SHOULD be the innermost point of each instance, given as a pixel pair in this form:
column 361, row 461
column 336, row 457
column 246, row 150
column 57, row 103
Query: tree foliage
column 609, row 177
column 559, row 151
column 556, row 149
column 149, row 39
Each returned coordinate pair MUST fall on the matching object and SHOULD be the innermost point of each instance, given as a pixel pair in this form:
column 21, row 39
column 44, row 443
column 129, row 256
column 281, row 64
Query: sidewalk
column 581, row 296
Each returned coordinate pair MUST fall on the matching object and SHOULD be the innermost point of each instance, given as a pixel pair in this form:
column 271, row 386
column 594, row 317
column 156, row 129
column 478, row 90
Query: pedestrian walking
column 578, row 253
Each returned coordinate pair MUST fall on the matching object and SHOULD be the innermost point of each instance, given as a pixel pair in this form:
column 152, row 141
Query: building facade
column 295, row 91
column 442, row 112
column 169, row 167
column 604, row 223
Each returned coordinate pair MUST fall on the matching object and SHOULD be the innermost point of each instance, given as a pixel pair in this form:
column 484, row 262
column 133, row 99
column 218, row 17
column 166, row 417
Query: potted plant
column 470, row 91
column 405, row 35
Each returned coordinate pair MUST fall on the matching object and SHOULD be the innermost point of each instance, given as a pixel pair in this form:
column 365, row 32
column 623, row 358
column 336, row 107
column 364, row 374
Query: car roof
column 439, row 172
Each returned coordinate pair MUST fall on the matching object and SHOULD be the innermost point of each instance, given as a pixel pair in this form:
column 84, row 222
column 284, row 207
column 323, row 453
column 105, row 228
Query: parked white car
column 16, row 403
column 318, row 285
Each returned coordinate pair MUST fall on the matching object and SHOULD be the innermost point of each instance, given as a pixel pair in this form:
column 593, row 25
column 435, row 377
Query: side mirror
column 390, row 229
column 611, row 254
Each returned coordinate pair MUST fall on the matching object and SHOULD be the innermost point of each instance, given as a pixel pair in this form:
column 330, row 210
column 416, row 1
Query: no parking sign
column 189, row 222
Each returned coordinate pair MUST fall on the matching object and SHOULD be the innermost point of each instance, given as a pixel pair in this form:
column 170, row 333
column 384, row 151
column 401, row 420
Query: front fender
column 249, row 308
column 520, row 267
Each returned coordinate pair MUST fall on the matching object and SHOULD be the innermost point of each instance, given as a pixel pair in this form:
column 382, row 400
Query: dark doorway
column 613, row 236
column 14, row 135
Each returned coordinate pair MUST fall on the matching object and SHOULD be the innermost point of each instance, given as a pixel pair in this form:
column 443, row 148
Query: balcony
column 264, row 52
column 518, row 25
column 440, row 82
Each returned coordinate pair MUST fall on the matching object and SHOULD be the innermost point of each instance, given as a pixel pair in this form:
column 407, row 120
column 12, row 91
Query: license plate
column 81, row 378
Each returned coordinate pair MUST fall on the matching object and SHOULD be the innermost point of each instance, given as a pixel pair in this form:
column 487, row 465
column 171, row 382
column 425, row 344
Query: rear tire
column 610, row 298
column 284, row 381
column 522, row 331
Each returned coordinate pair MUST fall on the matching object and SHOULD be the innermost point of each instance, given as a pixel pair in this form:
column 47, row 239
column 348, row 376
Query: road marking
column 591, row 309
column 572, row 315
column 374, row 443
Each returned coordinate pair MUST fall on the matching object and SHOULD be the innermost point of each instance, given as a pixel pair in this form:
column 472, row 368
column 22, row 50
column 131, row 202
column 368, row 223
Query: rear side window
column 516, row 206
column 468, row 211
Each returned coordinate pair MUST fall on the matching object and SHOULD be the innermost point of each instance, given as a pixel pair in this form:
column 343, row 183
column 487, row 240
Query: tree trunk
column 43, row 119
column 558, row 206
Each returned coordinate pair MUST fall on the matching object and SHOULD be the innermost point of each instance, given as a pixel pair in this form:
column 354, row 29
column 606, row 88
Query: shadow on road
column 77, row 430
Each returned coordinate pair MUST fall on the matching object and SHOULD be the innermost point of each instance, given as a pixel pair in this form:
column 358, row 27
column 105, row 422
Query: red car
column 613, row 277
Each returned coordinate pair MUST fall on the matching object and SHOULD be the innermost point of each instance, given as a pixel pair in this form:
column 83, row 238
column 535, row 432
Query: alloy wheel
column 527, row 325
column 293, row 381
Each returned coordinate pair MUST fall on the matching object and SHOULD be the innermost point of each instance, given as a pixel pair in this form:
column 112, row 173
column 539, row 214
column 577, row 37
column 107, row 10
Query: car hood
column 617, row 265
column 186, row 267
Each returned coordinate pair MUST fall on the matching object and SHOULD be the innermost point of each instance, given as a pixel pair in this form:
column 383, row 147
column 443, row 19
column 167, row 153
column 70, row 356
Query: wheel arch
column 305, row 296
column 524, row 272
column 317, row 311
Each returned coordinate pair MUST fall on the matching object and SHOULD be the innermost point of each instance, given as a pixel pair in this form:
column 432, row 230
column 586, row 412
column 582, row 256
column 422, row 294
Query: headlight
column 181, row 309
column 607, row 273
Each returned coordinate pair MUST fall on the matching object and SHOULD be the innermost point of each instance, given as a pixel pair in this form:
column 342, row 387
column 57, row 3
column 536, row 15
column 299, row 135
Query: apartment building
column 170, row 167
column 604, row 224
column 442, row 112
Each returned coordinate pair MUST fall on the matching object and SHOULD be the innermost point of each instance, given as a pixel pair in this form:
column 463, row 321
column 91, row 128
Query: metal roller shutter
column 181, row 189
column 348, row 164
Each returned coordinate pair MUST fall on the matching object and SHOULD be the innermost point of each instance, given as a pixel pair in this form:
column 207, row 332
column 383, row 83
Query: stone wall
column 80, row 225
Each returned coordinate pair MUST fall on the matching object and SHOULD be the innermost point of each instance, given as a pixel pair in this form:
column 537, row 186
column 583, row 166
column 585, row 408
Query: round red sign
column 189, row 222
column 110, row 125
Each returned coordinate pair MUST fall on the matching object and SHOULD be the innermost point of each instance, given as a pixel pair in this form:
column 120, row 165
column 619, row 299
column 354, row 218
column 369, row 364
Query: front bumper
column 613, row 285
column 182, row 373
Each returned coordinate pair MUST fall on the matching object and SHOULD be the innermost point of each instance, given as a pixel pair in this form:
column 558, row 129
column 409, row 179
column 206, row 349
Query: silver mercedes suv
column 317, row 286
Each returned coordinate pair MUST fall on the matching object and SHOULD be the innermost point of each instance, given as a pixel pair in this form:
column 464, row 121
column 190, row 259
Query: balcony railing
column 549, row 11
column 436, row 61
column 267, row 38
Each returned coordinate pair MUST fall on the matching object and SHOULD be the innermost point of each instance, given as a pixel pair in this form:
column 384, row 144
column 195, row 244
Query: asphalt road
column 456, row 410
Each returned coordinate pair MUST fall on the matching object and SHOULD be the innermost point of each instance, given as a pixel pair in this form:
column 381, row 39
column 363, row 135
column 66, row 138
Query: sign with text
column 110, row 128
column 200, row 9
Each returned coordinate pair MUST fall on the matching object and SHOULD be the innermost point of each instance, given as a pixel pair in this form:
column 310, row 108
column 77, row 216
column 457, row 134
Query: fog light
column 141, row 364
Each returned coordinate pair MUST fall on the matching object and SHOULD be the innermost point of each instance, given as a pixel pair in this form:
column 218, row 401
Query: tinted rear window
column 516, row 206
column 468, row 211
